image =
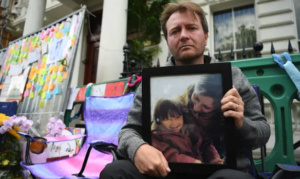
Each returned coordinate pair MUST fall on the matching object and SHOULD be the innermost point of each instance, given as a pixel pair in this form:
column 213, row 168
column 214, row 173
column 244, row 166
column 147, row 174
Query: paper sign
column 38, row 87
column 32, row 88
column 42, row 82
column 51, row 86
column 55, row 68
column 4, row 91
column 44, row 95
column 73, row 94
column 48, row 96
column 47, row 78
column 53, row 75
column 61, row 68
column 59, row 78
column 44, row 48
column 114, row 89
column 28, row 86
column 65, row 75
column 45, row 88
column 34, row 56
column 98, row 90
column 56, row 91
column 26, row 94
column 81, row 94
column 15, row 70
column 41, row 105
column 31, row 95
column 40, row 92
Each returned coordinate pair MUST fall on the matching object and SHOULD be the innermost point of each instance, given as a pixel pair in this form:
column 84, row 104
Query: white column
column 112, row 40
column 35, row 16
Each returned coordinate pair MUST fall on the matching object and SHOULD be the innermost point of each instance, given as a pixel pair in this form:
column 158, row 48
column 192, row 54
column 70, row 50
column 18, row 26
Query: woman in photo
column 179, row 140
column 203, row 101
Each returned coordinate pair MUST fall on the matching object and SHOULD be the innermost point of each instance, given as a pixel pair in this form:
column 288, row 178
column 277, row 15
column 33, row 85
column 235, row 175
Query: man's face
column 173, row 123
column 203, row 108
column 186, row 38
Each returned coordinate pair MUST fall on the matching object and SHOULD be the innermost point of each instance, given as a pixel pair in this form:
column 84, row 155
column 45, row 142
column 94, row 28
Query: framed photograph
column 182, row 116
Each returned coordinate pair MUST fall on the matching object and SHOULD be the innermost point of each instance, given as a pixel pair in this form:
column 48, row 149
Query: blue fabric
column 8, row 108
column 290, row 68
column 293, row 73
column 293, row 167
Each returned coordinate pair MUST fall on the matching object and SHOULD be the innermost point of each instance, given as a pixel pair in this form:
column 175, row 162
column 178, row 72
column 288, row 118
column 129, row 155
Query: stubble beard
column 189, row 59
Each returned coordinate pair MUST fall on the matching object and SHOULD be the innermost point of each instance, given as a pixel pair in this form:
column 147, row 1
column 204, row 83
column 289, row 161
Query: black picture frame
column 224, row 69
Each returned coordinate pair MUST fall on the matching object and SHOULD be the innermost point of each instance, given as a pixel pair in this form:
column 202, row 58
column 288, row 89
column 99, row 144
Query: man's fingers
column 233, row 91
column 161, row 170
column 233, row 99
column 232, row 106
column 233, row 114
column 164, row 161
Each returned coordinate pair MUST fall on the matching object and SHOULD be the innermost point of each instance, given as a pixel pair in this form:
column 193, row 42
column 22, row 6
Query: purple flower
column 8, row 124
column 55, row 127
column 26, row 125
column 53, row 120
column 55, row 132
column 60, row 125
column 22, row 119
column 2, row 130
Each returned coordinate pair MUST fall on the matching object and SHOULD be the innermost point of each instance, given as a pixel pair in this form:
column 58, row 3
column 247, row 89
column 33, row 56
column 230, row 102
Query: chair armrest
column 105, row 147
column 283, row 171
column 64, row 138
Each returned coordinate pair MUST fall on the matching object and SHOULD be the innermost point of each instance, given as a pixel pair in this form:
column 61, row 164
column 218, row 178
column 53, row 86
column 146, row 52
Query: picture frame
column 166, row 87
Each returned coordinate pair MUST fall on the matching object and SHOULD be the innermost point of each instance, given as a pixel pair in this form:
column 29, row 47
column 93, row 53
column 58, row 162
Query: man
column 186, row 31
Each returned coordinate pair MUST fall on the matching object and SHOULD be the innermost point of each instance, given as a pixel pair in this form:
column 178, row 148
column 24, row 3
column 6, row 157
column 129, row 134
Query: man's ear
column 206, row 37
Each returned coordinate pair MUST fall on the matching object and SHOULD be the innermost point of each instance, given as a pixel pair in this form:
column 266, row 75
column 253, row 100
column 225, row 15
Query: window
column 234, row 29
column 297, row 13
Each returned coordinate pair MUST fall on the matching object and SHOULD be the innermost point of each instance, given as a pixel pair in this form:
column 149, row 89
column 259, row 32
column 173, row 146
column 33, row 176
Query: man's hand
column 217, row 161
column 151, row 161
column 198, row 161
column 233, row 106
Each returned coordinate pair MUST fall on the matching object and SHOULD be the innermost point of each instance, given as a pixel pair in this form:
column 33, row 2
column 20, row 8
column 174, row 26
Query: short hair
column 210, row 86
column 164, row 108
column 191, row 7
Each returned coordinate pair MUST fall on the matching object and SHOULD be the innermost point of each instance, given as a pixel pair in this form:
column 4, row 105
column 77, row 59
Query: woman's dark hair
column 164, row 108
column 210, row 86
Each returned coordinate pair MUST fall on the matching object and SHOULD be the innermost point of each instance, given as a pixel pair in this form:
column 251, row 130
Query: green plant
column 143, row 22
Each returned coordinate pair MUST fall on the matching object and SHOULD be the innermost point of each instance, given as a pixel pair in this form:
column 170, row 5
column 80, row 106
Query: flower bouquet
column 10, row 149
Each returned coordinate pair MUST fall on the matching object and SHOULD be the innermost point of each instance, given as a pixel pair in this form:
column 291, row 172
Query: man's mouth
column 185, row 46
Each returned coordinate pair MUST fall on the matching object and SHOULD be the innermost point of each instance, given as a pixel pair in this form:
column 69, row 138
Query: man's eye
column 173, row 32
column 193, row 28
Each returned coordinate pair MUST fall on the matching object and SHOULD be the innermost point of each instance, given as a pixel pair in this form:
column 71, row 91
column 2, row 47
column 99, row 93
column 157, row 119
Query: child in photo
column 177, row 138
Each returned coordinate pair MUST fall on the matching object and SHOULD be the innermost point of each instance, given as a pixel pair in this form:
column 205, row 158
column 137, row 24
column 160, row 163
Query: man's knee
column 118, row 168
column 229, row 174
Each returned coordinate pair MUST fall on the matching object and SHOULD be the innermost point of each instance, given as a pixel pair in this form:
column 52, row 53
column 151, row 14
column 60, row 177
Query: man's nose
column 184, row 35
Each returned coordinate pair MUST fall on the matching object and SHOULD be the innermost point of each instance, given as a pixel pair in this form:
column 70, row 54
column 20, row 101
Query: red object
column 138, row 79
column 178, row 147
column 81, row 94
column 114, row 89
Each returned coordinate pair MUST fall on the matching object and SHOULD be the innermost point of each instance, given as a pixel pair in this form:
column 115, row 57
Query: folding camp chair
column 104, row 118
